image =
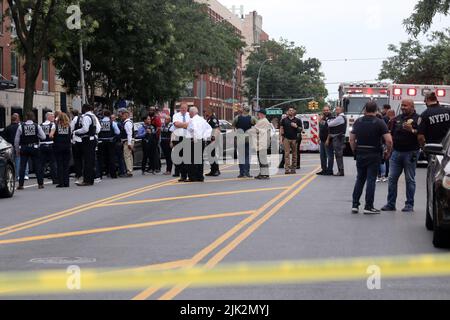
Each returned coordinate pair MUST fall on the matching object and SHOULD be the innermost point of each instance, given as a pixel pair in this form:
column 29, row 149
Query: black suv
column 438, row 192
column 7, row 170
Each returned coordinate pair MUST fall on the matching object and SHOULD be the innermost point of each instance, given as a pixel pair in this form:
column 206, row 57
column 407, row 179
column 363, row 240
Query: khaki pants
column 128, row 157
column 290, row 146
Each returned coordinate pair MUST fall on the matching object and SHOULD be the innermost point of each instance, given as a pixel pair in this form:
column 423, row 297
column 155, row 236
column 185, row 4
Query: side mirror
column 434, row 149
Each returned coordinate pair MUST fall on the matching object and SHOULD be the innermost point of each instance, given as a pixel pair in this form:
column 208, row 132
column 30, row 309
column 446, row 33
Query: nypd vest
column 47, row 128
column 62, row 135
column 29, row 134
column 92, row 128
column 107, row 131
column 166, row 133
column 341, row 129
column 123, row 132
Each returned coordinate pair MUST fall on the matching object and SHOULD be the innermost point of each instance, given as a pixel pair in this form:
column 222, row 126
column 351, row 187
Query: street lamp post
column 258, row 81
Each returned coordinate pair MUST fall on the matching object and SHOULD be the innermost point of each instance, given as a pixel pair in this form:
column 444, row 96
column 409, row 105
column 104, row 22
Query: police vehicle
column 438, row 192
column 7, row 170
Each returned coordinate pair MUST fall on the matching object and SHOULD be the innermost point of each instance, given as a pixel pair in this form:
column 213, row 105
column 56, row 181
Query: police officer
column 337, row 129
column 212, row 144
column 26, row 143
column 62, row 142
column 88, row 133
column 46, row 147
column 434, row 122
column 405, row 155
column 365, row 141
column 149, row 135
column 326, row 152
column 107, row 138
column 166, row 143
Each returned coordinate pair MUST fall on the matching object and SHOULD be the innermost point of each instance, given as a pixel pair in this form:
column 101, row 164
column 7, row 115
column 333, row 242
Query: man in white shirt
column 198, row 131
column 180, row 122
column 126, row 136
column 88, row 133
column 26, row 144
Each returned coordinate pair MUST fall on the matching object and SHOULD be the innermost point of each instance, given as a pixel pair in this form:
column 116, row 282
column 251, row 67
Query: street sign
column 274, row 112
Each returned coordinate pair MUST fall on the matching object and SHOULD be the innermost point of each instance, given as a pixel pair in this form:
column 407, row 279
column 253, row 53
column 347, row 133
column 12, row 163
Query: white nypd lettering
column 29, row 130
column 439, row 118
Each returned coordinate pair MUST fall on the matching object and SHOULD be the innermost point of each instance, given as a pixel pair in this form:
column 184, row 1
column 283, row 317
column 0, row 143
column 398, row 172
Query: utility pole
column 258, row 81
column 82, row 81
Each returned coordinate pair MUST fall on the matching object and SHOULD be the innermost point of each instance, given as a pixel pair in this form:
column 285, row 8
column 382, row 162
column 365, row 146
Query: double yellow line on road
column 69, row 212
column 280, row 200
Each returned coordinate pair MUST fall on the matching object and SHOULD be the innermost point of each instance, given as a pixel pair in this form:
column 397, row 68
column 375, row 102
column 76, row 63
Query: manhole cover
column 63, row 260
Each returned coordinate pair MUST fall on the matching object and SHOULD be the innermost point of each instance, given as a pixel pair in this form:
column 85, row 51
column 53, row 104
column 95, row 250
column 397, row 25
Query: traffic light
column 311, row 105
column 316, row 105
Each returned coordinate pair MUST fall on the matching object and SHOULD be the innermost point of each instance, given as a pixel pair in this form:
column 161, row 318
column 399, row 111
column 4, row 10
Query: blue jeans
column 399, row 162
column 244, row 160
column 326, row 157
column 17, row 162
column 367, row 166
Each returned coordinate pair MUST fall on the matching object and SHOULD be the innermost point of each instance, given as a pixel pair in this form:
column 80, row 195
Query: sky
column 346, row 29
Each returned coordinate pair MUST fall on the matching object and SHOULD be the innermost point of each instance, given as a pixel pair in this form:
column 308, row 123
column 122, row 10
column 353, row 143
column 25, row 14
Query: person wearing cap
column 243, row 123
column 127, row 138
column 262, row 136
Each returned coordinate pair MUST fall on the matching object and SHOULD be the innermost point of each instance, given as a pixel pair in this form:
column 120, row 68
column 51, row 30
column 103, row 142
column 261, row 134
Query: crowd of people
column 385, row 145
column 98, row 144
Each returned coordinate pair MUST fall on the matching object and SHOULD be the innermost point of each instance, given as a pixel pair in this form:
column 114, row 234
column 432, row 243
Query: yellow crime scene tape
column 315, row 271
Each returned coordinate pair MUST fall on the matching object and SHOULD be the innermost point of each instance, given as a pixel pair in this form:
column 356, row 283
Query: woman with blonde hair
column 62, row 145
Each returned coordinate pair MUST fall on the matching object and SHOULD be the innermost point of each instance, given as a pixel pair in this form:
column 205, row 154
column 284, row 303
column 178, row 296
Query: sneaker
column 378, row 180
column 371, row 211
column 355, row 210
column 98, row 180
column 388, row 208
column 241, row 176
column 27, row 178
column 384, row 180
column 321, row 173
column 408, row 209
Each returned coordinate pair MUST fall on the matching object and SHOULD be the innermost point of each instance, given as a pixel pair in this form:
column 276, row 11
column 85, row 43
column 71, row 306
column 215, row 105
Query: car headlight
column 446, row 182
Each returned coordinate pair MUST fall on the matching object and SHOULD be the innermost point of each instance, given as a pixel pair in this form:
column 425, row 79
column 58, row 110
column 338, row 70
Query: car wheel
column 7, row 190
column 441, row 238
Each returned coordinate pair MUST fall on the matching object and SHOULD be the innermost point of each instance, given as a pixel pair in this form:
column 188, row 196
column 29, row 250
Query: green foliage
column 146, row 50
column 424, row 12
column 288, row 76
column 418, row 64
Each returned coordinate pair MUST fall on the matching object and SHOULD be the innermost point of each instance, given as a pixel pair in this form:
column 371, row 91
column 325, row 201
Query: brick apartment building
column 11, row 69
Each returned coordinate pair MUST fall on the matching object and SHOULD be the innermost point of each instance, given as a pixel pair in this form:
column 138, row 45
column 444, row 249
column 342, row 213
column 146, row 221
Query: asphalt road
column 154, row 221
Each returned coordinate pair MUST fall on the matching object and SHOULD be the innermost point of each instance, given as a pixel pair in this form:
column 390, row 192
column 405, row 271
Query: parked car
column 7, row 170
column 438, row 192
column 227, row 134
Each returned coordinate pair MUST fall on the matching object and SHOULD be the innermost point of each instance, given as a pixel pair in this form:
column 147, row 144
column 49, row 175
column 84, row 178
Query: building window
column 45, row 75
column 15, row 68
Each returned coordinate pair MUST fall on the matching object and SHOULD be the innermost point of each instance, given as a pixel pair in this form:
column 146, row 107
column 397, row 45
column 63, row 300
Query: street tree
column 289, row 76
column 424, row 12
column 416, row 63
column 146, row 57
column 34, row 22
